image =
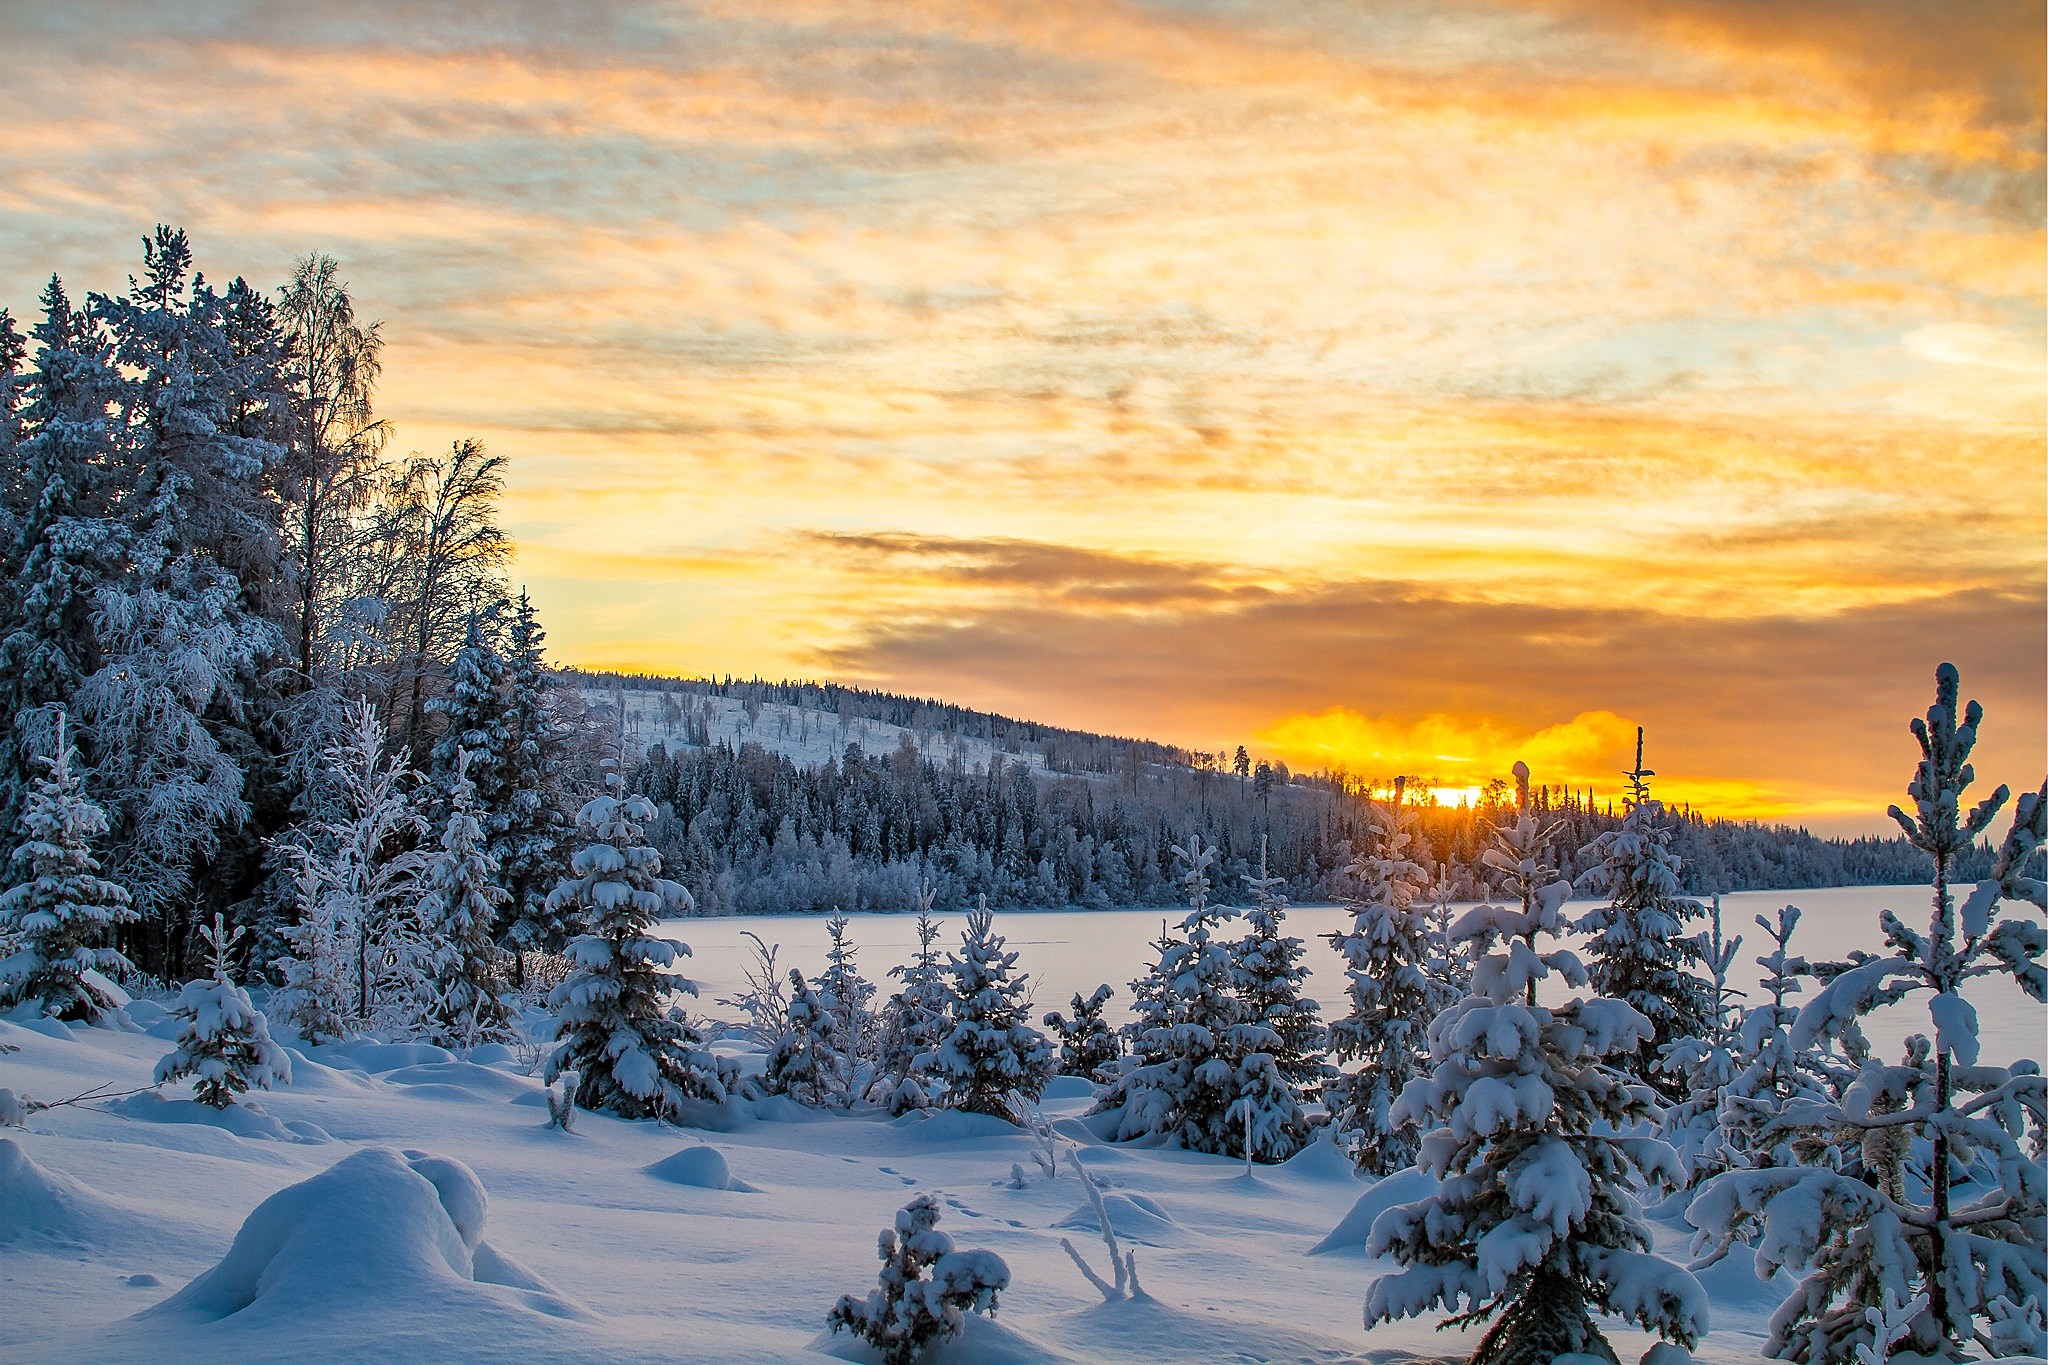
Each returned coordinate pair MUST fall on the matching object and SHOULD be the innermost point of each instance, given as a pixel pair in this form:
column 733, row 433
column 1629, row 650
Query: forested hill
column 801, row 796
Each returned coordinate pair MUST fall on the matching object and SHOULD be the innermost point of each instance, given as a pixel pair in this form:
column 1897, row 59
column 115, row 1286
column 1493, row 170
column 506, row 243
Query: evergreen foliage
column 225, row 1041
column 924, row 1291
column 1088, row 1045
column 809, row 1063
column 527, row 840
column 992, row 1058
column 1534, row 1226
column 57, row 910
column 914, row 1022
column 459, row 904
column 633, row 1053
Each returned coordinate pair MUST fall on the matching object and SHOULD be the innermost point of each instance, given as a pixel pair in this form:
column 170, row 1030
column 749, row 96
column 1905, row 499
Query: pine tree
column 992, row 1057
column 1393, row 996
column 925, row 1288
column 914, row 1021
column 1533, row 1225
column 57, row 908
column 1638, row 946
column 850, row 994
column 808, row 1062
column 1271, row 977
column 479, row 728
column 633, row 1054
column 1088, row 1045
column 1700, row 1126
column 458, row 905
column 1774, row 1075
column 528, row 845
column 225, row 1041
column 1973, row 1238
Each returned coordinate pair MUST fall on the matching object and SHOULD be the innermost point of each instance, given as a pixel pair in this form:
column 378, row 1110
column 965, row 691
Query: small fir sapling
column 992, row 1058
column 634, row 1054
column 459, row 904
column 925, row 1290
column 1774, row 1075
column 1393, row 997
column 1448, row 966
column 57, row 909
column 1271, row 981
column 1088, row 1045
column 914, row 1022
column 1969, row 1247
column 807, row 1063
column 224, row 1042
column 851, row 995
column 1700, row 1126
column 1638, row 947
column 1534, row 1225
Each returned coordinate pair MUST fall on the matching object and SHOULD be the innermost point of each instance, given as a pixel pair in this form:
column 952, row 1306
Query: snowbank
column 44, row 1206
column 1403, row 1187
column 701, row 1167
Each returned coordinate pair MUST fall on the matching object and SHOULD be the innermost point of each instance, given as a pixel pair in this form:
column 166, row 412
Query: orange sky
column 1409, row 386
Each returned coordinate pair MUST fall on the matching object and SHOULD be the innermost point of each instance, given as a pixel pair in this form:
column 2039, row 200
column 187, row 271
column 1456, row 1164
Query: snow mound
column 377, row 1244
column 701, row 1167
column 951, row 1125
column 1133, row 1217
column 42, row 1205
column 1150, row 1329
column 1069, row 1088
column 244, row 1120
column 459, row 1079
column 366, row 1054
column 1403, row 1187
column 1322, row 1161
column 982, row 1341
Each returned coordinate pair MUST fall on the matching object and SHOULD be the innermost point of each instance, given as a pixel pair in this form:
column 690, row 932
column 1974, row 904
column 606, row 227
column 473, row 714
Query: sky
column 1409, row 387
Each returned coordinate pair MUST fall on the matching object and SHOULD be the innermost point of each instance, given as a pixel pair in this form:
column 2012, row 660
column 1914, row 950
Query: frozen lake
column 1064, row 951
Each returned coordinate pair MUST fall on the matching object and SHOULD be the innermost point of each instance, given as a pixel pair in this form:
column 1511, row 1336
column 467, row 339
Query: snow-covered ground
column 130, row 1229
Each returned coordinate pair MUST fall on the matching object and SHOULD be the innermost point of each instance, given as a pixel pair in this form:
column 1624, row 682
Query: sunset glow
column 1405, row 388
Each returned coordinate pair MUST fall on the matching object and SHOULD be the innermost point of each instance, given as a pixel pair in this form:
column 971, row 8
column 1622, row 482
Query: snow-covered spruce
column 477, row 742
column 1270, row 981
column 925, row 1289
column 1534, row 1226
column 459, row 905
column 1700, row 1126
column 1393, row 996
column 528, row 839
column 1773, row 1075
column 1972, row 1235
column 1638, row 947
column 913, row 1022
column 634, row 1054
column 1088, row 1045
column 850, row 996
column 225, row 1042
column 992, row 1058
column 57, row 908
column 808, row 1063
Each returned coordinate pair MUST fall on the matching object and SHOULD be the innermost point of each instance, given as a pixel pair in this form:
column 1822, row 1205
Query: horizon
column 1411, row 391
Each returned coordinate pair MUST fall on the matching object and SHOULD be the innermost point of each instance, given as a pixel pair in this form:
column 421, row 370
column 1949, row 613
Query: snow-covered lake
column 1065, row 951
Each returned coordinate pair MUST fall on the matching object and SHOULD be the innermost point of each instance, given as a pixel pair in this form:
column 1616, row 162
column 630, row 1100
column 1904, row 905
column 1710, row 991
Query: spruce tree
column 57, row 909
column 809, row 1063
column 459, row 904
column 1700, row 1126
column 992, row 1057
column 479, row 729
column 1394, row 996
column 914, row 1021
column 1637, row 943
column 633, row 1053
column 528, row 843
column 225, row 1041
column 1773, row 1076
column 1970, row 1241
column 851, row 995
column 1088, row 1045
column 1271, row 977
column 1534, row 1225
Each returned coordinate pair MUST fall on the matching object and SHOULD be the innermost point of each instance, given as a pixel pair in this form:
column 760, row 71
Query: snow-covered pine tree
column 459, row 904
column 479, row 734
column 1088, row 1045
column 1638, row 946
column 914, row 1022
column 1447, row 966
column 225, row 1041
column 1534, row 1225
column 1976, row 1247
column 992, row 1057
column 851, row 996
column 1270, row 981
column 1386, row 952
column 57, row 909
column 357, row 878
column 528, row 845
column 1128, row 1090
column 925, row 1288
column 1187, row 1095
column 808, row 1063
column 1774, row 1075
column 1699, row 1126
column 634, row 1054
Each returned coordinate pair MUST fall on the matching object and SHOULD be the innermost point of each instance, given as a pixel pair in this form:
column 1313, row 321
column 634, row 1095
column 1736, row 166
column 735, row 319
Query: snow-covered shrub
column 633, row 1053
column 925, row 1289
column 808, row 1063
column 57, row 909
column 1637, row 943
column 225, row 1041
column 1534, row 1225
column 1971, row 1235
column 1088, row 1045
column 1387, row 954
column 992, row 1057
